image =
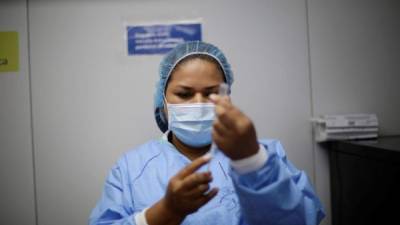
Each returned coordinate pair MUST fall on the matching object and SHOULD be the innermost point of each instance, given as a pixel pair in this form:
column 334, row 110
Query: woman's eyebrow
column 184, row 87
column 212, row 87
column 181, row 86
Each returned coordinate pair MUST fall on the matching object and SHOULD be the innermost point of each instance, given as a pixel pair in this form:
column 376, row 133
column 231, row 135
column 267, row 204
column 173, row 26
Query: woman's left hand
column 233, row 132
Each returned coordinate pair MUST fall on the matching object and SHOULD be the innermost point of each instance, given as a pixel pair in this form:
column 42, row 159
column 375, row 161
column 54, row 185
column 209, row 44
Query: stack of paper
column 345, row 127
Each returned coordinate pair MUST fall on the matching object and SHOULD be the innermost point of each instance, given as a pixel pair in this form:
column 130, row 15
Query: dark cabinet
column 365, row 181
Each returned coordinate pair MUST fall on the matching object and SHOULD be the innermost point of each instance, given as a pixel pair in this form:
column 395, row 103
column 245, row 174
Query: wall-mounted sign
column 9, row 53
column 160, row 38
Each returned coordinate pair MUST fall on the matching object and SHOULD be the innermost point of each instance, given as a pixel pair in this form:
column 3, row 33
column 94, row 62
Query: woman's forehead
column 196, row 70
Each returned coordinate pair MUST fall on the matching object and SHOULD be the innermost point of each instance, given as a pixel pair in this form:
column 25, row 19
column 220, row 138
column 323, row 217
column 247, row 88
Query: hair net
column 169, row 62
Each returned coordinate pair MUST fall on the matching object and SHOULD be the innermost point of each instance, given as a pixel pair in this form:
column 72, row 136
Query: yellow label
column 9, row 52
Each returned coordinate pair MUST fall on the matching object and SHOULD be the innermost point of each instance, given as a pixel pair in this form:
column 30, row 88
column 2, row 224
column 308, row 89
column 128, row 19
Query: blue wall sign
column 159, row 39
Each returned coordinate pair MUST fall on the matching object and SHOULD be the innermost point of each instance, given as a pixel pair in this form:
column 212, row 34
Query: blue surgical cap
column 169, row 62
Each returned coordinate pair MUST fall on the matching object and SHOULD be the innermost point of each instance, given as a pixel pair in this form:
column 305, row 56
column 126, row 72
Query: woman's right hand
column 187, row 191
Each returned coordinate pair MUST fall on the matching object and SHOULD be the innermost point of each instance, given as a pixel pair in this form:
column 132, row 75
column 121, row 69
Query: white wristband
column 251, row 163
column 140, row 218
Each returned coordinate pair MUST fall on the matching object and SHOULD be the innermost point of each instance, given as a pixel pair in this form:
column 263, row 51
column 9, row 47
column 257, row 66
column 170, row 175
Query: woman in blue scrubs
column 173, row 180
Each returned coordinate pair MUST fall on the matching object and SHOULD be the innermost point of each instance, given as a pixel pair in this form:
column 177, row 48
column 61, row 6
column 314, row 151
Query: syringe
column 222, row 91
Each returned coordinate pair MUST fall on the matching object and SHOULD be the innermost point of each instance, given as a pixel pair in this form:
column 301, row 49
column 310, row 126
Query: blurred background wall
column 79, row 101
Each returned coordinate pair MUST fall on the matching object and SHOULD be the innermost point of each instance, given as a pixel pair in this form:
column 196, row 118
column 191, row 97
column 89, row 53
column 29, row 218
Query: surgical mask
column 191, row 123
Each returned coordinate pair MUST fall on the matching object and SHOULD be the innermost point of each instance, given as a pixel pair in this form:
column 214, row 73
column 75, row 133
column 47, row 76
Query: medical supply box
column 345, row 127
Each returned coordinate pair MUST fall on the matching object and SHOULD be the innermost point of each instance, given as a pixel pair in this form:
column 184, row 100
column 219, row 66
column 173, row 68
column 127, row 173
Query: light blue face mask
column 191, row 123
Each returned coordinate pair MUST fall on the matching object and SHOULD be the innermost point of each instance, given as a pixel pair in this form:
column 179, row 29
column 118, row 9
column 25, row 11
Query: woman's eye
column 183, row 94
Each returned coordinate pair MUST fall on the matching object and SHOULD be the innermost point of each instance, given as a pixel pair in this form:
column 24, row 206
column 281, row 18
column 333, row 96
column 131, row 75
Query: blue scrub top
column 277, row 193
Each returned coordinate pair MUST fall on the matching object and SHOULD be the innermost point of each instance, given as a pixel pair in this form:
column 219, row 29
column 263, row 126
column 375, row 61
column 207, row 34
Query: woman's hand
column 233, row 131
column 187, row 191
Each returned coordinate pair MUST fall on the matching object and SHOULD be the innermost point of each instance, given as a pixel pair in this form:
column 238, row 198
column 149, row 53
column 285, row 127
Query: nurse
column 173, row 180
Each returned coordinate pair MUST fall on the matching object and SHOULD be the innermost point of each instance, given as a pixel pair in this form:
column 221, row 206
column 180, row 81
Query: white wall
column 355, row 51
column 91, row 102
column 16, row 169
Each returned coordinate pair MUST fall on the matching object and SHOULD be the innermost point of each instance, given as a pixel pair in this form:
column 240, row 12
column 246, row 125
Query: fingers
column 202, row 198
column 196, row 179
column 224, row 116
column 192, row 167
column 198, row 191
column 221, row 100
column 222, row 129
column 207, row 197
column 224, row 110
